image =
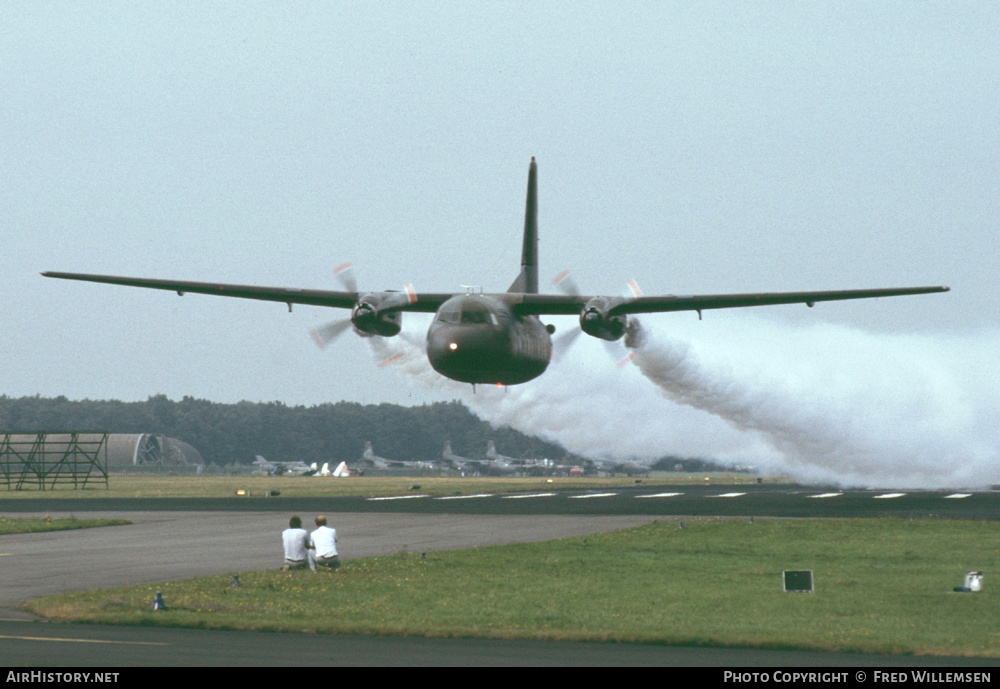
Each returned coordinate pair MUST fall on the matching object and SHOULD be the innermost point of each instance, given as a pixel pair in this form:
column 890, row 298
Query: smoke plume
column 821, row 403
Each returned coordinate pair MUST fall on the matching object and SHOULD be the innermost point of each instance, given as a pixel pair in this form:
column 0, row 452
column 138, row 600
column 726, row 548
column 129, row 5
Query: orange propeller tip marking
column 341, row 268
column 627, row 359
column 411, row 293
column 317, row 339
column 560, row 277
column 634, row 288
column 390, row 360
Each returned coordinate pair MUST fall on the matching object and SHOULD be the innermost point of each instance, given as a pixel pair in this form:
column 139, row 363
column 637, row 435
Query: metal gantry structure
column 44, row 460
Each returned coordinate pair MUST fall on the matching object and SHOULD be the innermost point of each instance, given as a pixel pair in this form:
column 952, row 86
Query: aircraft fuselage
column 477, row 338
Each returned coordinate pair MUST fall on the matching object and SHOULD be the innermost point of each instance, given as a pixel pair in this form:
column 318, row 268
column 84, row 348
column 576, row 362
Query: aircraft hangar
column 150, row 450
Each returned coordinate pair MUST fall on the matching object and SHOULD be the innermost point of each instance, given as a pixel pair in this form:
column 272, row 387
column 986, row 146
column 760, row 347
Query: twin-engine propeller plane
column 491, row 338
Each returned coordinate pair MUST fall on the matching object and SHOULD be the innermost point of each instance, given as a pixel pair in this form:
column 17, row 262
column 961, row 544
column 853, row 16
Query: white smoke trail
column 821, row 403
column 844, row 406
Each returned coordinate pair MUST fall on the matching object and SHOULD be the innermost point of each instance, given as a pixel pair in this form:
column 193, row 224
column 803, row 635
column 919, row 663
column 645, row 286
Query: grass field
column 154, row 486
column 12, row 525
column 880, row 586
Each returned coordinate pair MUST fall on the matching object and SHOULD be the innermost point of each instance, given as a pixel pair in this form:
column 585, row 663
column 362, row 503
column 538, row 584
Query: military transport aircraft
column 370, row 459
column 457, row 462
column 490, row 338
column 502, row 463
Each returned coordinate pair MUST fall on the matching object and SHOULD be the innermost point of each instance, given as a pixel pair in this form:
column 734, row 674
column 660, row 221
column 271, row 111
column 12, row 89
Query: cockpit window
column 475, row 316
column 468, row 314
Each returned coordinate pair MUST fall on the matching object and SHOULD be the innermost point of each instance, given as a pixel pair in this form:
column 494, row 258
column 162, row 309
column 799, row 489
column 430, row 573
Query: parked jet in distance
column 370, row 459
column 284, row 468
column 490, row 338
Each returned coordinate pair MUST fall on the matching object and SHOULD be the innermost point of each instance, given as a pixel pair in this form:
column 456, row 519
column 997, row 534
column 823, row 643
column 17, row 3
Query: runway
column 176, row 539
column 715, row 499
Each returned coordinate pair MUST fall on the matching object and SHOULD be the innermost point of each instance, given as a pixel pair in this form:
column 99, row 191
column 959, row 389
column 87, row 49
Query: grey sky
column 696, row 147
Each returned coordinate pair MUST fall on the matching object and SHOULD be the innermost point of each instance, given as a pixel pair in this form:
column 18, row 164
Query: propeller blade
column 328, row 333
column 345, row 273
column 565, row 283
column 563, row 343
column 633, row 340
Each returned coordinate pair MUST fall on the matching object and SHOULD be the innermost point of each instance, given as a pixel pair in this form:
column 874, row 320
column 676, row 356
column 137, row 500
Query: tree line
column 225, row 434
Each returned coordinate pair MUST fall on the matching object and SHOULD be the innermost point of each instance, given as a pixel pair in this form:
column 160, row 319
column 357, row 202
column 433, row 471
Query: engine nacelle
column 373, row 314
column 597, row 321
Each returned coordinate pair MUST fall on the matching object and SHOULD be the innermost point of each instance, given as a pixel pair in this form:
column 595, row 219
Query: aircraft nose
column 465, row 353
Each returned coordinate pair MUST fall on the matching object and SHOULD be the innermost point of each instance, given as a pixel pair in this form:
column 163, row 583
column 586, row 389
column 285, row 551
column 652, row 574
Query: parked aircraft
column 284, row 468
column 339, row 472
column 490, row 338
column 494, row 464
column 457, row 462
column 370, row 459
column 627, row 467
column 497, row 463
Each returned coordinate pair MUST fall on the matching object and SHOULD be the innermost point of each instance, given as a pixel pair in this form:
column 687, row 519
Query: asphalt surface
column 176, row 539
column 716, row 499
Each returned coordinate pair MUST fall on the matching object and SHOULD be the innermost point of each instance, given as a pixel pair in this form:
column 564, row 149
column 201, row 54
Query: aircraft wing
column 556, row 305
column 428, row 303
column 524, row 304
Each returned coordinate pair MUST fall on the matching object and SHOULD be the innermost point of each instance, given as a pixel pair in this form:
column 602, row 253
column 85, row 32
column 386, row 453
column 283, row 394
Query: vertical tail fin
column 527, row 280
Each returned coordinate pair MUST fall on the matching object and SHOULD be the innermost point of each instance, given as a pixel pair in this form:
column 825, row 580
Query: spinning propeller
column 597, row 320
column 375, row 313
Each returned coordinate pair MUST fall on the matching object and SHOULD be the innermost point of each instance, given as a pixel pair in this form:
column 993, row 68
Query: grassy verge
column 880, row 586
column 136, row 486
column 9, row 525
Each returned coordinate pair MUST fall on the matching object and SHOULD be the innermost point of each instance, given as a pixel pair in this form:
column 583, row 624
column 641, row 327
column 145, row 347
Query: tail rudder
column 527, row 280
column 368, row 450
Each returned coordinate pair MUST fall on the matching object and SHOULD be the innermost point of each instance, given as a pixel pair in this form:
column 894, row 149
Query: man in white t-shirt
column 323, row 546
column 296, row 540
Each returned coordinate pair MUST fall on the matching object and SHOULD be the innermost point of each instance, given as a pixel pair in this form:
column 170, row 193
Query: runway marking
column 85, row 641
column 726, row 495
column 957, row 495
column 660, row 495
column 399, row 497
column 825, row 495
column 465, row 497
column 592, row 495
column 528, row 495
column 886, row 496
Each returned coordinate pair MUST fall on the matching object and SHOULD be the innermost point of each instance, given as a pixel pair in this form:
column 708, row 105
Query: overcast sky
column 695, row 147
